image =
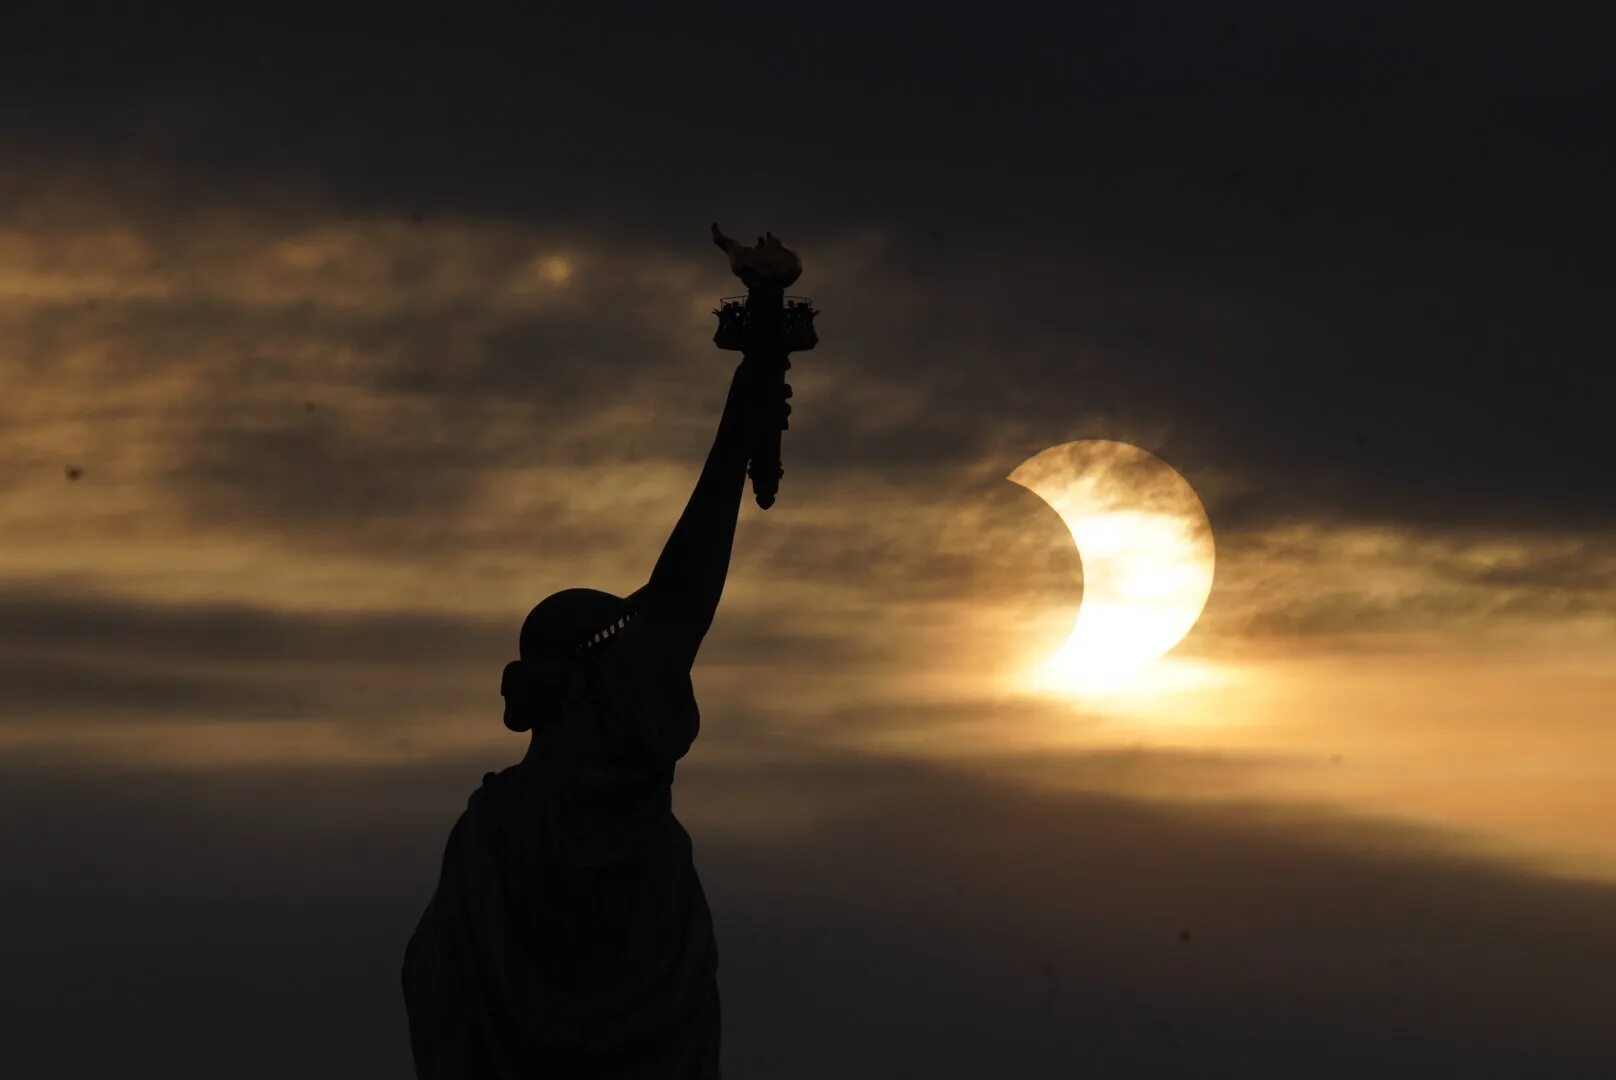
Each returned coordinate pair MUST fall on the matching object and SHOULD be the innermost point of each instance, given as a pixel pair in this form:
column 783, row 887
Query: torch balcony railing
column 735, row 329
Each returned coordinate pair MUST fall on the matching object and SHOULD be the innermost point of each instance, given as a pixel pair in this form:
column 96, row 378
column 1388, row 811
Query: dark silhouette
column 767, row 327
column 569, row 935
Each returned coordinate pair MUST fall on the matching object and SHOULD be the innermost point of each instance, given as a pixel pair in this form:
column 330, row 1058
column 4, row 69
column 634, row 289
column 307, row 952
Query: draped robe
column 568, row 934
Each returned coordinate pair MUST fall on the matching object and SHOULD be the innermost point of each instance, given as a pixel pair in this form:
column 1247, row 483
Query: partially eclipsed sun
column 1146, row 548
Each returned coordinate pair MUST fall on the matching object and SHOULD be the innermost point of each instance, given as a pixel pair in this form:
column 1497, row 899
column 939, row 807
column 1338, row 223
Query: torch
column 765, row 326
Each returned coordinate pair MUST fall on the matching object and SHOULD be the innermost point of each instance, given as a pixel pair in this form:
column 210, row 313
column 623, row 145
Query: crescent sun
column 1146, row 549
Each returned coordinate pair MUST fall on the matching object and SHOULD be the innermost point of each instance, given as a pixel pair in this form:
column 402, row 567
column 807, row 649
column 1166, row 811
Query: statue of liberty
column 568, row 935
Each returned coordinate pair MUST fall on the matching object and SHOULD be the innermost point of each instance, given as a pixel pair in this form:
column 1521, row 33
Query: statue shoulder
column 496, row 785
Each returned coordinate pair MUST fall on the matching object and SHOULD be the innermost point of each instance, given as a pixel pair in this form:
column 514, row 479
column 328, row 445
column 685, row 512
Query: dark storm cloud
column 83, row 658
column 1353, row 256
column 915, row 922
column 46, row 689
column 310, row 474
column 311, row 376
column 51, row 621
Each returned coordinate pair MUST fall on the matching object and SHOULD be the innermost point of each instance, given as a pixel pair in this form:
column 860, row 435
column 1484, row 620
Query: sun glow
column 1070, row 674
column 1146, row 549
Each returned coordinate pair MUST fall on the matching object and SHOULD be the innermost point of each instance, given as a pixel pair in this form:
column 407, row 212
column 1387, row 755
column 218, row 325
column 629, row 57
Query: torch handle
column 765, row 468
column 765, row 333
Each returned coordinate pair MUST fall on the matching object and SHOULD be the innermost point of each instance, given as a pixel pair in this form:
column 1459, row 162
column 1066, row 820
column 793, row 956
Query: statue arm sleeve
column 688, row 579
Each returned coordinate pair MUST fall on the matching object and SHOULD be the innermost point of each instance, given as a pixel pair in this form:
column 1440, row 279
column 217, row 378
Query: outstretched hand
column 760, row 398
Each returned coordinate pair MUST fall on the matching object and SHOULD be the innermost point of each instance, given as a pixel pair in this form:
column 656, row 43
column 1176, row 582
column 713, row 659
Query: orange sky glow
column 1375, row 670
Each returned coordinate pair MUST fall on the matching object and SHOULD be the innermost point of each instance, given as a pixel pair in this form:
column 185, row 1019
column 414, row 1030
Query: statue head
column 553, row 635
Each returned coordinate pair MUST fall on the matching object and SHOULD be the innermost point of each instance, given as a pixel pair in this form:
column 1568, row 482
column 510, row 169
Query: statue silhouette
column 568, row 935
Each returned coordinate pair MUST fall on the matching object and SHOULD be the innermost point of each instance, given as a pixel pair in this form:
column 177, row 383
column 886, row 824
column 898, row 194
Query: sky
column 329, row 348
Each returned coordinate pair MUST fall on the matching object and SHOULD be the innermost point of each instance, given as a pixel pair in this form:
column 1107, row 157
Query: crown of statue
column 532, row 685
column 596, row 638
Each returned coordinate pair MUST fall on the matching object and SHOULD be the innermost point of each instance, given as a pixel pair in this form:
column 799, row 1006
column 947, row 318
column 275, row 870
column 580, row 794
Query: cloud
column 436, row 351
column 1356, row 585
column 90, row 626
column 352, row 383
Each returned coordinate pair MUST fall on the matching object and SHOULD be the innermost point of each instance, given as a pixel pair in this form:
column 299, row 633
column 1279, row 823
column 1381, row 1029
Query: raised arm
column 689, row 576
